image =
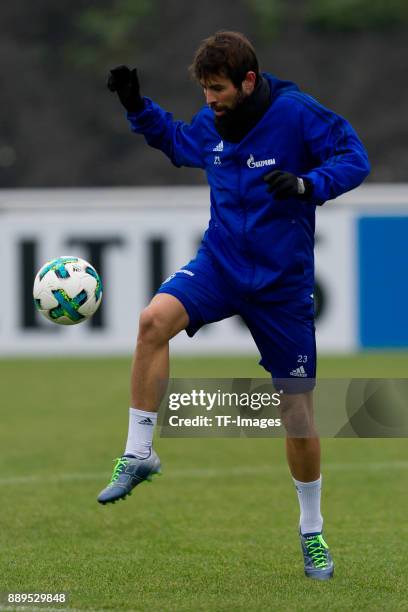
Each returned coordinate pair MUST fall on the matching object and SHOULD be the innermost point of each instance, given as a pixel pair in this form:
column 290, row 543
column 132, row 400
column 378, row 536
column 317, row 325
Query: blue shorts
column 283, row 331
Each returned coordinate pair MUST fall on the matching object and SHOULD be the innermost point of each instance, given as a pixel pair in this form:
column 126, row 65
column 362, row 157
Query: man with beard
column 271, row 154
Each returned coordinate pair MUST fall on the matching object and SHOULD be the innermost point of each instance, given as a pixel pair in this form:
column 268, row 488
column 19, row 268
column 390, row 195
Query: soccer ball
column 67, row 290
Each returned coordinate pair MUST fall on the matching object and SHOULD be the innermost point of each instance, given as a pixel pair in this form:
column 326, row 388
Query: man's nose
column 209, row 97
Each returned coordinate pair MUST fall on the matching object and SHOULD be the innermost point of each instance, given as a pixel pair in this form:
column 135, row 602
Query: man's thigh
column 202, row 290
column 284, row 333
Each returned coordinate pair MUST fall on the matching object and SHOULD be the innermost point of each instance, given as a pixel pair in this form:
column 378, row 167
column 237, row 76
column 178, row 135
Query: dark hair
column 228, row 54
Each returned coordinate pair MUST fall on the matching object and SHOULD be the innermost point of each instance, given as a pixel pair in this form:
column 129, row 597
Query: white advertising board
column 137, row 237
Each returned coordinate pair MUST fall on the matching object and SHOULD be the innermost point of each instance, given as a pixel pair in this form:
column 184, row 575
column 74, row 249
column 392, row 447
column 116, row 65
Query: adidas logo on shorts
column 300, row 372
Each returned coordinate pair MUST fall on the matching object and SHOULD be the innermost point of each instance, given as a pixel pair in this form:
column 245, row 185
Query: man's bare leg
column 159, row 322
column 302, row 442
column 303, row 456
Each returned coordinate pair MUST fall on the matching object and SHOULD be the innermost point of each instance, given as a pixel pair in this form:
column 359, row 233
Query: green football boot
column 318, row 562
column 127, row 474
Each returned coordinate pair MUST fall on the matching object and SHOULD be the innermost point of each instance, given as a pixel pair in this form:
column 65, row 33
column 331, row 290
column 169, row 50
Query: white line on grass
column 243, row 470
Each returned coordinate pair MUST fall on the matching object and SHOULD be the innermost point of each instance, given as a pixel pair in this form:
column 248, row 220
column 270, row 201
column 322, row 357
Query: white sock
column 140, row 435
column 311, row 521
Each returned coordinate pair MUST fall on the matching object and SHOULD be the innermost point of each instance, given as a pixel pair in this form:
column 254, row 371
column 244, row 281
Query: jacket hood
column 278, row 86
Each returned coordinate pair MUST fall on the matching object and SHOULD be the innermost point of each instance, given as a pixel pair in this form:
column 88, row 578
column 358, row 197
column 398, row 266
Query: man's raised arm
column 182, row 143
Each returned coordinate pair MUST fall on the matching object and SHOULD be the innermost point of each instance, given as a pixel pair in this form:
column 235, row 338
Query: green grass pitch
column 217, row 532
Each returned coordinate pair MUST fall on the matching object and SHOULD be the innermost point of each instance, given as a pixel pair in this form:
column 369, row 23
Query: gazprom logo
column 251, row 163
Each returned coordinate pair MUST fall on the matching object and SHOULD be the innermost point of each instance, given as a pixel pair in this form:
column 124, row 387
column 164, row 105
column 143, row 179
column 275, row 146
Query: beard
column 232, row 115
column 236, row 122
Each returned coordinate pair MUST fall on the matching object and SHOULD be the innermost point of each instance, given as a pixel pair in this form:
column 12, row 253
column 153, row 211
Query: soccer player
column 271, row 154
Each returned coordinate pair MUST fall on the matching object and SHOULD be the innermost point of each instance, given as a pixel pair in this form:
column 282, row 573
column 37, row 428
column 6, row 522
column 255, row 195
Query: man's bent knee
column 162, row 319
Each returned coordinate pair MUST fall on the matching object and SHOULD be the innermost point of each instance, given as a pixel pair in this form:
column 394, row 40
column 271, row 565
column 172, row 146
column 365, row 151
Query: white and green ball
column 67, row 290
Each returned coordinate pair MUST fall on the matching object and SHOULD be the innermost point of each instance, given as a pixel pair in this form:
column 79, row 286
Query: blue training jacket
column 259, row 242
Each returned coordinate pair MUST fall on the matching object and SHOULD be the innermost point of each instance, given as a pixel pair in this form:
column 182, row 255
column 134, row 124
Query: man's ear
column 248, row 84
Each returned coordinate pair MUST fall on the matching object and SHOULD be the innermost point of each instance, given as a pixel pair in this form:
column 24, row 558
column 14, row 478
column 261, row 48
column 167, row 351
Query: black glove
column 126, row 84
column 285, row 185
